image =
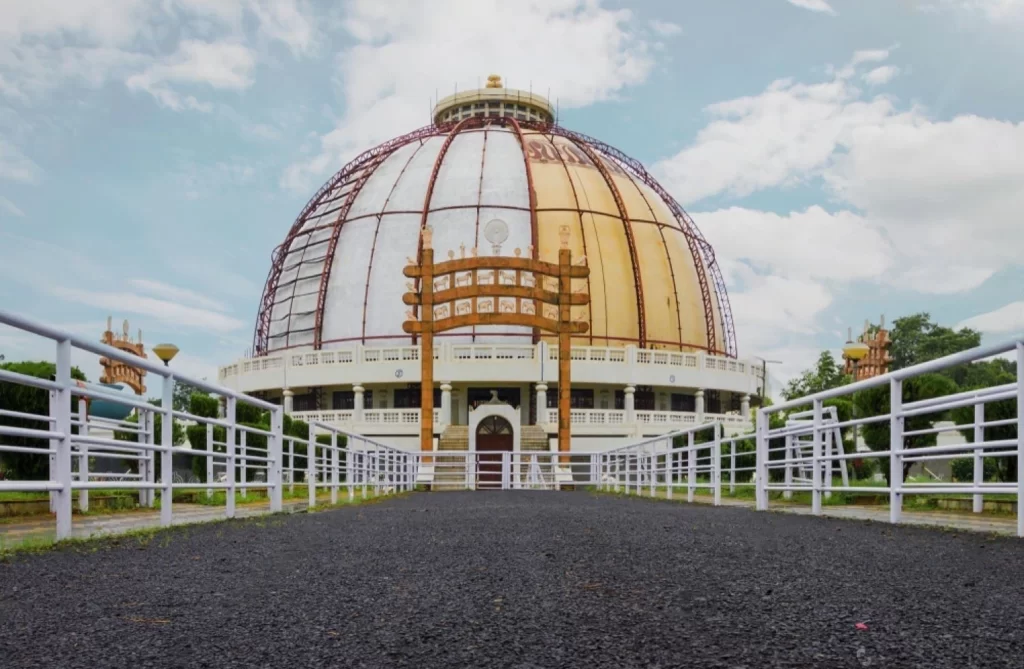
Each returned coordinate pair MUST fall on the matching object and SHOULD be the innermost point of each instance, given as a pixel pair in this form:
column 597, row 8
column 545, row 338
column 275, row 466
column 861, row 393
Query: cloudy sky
column 847, row 158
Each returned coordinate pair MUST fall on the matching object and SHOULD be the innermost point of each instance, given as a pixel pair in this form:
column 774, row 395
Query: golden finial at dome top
column 494, row 81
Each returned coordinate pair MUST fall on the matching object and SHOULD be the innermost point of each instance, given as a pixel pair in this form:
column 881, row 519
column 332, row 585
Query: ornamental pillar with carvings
column 745, row 407
column 289, row 401
column 446, row 404
column 357, row 403
column 629, row 404
column 700, row 406
column 542, row 402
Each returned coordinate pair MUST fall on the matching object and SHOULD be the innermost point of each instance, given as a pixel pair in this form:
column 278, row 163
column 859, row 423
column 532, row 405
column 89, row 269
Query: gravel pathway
column 521, row 579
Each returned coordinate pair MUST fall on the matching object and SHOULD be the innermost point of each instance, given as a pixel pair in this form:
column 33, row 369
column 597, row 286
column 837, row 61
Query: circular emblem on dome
column 496, row 231
column 398, row 373
column 672, row 379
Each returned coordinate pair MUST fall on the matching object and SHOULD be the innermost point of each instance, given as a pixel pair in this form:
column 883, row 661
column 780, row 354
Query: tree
column 183, row 393
column 875, row 402
column 986, row 375
column 916, row 339
column 825, row 375
column 24, row 399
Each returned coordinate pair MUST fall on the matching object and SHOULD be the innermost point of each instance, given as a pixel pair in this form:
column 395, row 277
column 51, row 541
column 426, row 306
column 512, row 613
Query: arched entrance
column 494, row 436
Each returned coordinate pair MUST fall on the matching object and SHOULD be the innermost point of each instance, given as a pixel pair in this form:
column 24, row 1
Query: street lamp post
column 764, row 376
column 165, row 352
column 855, row 351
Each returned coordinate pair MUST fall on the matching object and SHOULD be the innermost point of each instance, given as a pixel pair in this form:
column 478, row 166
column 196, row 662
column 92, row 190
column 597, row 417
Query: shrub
column 963, row 469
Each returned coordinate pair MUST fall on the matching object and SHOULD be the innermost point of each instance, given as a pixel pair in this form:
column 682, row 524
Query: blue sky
column 846, row 158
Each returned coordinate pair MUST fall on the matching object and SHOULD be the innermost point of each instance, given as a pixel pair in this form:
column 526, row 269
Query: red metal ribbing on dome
column 627, row 226
column 261, row 335
column 332, row 244
column 376, row 233
column 699, row 246
column 534, row 241
column 668, row 259
column 438, row 161
column 583, row 237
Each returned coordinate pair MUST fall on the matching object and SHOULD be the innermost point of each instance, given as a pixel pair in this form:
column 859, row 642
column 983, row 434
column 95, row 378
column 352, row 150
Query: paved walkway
column 524, row 580
column 41, row 529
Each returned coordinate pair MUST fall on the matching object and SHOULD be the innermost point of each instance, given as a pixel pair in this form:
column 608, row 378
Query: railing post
column 1020, row 439
column 275, row 469
column 209, row 459
column 291, row 466
column 150, row 437
column 654, row 469
column 364, row 466
column 350, row 468
column 716, row 465
column 83, row 454
column 691, row 466
column 311, row 467
column 816, row 462
column 166, row 455
column 789, row 454
column 761, row 460
column 670, row 467
column 61, row 413
column 51, row 474
column 229, row 451
column 732, row 467
column 335, row 473
column 979, row 461
column 895, row 450
column 243, row 465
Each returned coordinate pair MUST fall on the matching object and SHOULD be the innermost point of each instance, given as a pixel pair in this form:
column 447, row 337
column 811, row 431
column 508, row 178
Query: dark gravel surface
column 521, row 579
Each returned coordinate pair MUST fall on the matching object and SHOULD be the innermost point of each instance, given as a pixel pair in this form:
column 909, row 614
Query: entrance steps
column 449, row 472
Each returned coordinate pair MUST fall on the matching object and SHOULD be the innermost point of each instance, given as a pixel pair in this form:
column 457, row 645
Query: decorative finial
column 563, row 236
column 140, row 335
column 410, row 286
column 110, row 320
column 451, row 254
column 462, row 250
column 529, row 250
column 518, row 251
column 124, row 328
column 494, row 81
column 428, row 237
column 410, row 315
column 474, row 251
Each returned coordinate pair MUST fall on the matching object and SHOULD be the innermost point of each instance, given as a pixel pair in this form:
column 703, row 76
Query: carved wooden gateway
column 494, row 290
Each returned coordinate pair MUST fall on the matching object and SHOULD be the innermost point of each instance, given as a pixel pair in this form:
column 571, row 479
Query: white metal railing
column 71, row 440
column 774, row 459
column 409, row 417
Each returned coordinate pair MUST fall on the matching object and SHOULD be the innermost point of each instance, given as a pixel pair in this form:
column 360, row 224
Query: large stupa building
column 660, row 349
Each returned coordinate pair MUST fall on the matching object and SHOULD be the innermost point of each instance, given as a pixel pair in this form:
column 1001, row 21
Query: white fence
column 65, row 435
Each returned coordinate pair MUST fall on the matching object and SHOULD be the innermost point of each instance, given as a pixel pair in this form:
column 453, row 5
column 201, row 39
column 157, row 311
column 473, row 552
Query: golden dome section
column 572, row 191
column 494, row 100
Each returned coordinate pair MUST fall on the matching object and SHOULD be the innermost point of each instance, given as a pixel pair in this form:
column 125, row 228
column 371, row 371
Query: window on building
column 683, row 402
column 343, row 400
column 305, row 402
column 712, row 402
column 579, row 398
column 644, row 399
column 410, row 398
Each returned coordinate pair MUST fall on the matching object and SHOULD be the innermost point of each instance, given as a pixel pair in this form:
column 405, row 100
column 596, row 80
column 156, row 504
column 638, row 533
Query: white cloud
column 665, row 28
column 181, row 315
column 945, row 194
column 15, row 165
column 222, row 65
column 406, row 51
column 881, row 75
column 814, row 5
column 813, row 244
column 994, row 10
column 286, row 21
column 176, row 294
column 12, row 209
column 1008, row 319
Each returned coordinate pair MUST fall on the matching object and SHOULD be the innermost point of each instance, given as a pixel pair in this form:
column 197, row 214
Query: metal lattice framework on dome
column 317, row 231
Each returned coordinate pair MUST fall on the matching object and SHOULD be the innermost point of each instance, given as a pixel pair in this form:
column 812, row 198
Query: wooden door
column 493, row 437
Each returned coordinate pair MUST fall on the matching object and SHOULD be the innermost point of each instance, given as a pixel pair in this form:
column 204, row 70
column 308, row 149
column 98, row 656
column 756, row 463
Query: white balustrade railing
column 369, row 416
column 70, row 440
column 457, row 353
column 599, row 417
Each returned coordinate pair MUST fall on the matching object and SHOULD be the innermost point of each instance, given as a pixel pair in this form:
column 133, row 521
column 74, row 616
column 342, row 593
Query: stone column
column 745, row 407
column 629, row 403
column 289, row 402
column 542, row 403
column 700, row 406
column 446, row 404
column 357, row 403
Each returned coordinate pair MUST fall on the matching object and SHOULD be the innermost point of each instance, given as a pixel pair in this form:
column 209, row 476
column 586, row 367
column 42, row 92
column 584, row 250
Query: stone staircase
column 450, row 471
